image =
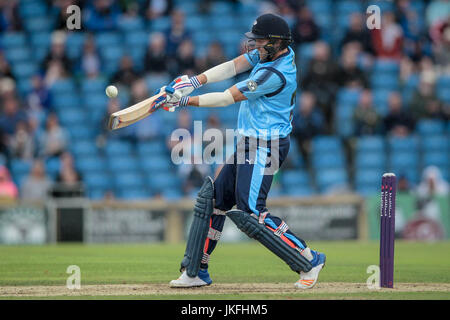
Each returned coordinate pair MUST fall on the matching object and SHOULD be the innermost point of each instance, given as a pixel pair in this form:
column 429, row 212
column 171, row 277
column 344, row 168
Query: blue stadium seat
column 405, row 159
column 160, row 25
column 81, row 132
column 131, row 24
column 326, row 160
column 328, row 178
column 116, row 148
column 436, row 158
column 384, row 81
column 298, row 191
column 163, row 181
column 13, row 40
column 155, row 82
column 63, row 86
column 197, row 22
column 74, row 44
column 295, row 178
column 89, row 86
column 348, row 96
column 90, row 163
column 105, row 40
column 326, row 144
column 435, row 143
column 30, row 9
column 427, row 126
column 97, row 101
column 370, row 144
column 37, row 24
column 84, row 148
column 71, row 116
column 98, row 180
column 18, row 54
column 122, row 163
column 386, row 66
column 127, row 180
column 132, row 194
column 366, row 159
column 24, row 69
column 155, row 163
column 52, row 166
column 20, row 167
column 65, row 101
column 409, row 143
column 368, row 176
column 137, row 39
column 151, row 147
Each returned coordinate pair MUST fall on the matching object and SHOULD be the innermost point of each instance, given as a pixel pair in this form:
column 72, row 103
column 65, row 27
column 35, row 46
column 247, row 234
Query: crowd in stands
column 353, row 82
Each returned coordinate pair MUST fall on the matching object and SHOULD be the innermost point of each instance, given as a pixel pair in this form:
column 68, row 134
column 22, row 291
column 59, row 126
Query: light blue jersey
column 270, row 90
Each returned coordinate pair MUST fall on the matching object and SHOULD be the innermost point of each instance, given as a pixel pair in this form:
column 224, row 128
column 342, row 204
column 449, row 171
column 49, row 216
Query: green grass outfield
column 244, row 263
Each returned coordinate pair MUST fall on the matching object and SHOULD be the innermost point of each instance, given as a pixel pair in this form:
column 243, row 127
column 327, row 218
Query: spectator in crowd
column 358, row 32
column 106, row 134
column 22, row 144
column 432, row 184
column 404, row 186
column 308, row 123
column 349, row 74
column 421, row 97
column 39, row 97
column 186, row 62
column 388, row 40
column 37, row 184
column 102, row 15
column 184, row 122
column 9, row 16
column 437, row 11
column 305, row 29
column 68, row 179
column 214, row 56
column 176, row 33
column 155, row 9
column 55, row 72
column 5, row 68
column 367, row 120
column 8, row 189
column 90, row 60
column 320, row 79
column 11, row 115
column 156, row 60
column 149, row 128
column 53, row 140
column 398, row 121
column 57, row 53
column 193, row 175
column 440, row 35
column 126, row 74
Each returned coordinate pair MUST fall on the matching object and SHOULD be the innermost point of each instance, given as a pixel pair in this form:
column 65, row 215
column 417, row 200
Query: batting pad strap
column 214, row 234
column 282, row 228
column 205, row 258
column 216, row 99
column 221, row 72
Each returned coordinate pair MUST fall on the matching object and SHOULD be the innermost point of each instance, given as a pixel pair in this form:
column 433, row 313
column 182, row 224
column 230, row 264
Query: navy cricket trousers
column 245, row 182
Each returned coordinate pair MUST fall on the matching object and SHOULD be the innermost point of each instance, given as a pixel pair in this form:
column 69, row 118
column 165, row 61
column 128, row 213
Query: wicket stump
column 387, row 232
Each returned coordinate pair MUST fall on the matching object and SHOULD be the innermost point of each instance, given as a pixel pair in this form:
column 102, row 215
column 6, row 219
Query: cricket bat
column 136, row 112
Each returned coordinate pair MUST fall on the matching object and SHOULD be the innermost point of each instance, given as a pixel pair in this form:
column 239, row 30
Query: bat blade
column 134, row 113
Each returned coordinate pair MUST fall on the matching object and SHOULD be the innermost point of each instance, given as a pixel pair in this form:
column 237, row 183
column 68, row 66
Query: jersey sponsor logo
column 252, row 85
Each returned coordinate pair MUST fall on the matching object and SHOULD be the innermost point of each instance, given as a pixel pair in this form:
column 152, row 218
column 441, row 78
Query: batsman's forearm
column 218, row 73
column 214, row 99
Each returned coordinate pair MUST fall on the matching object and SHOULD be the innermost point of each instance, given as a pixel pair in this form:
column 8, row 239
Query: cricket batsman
column 264, row 123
